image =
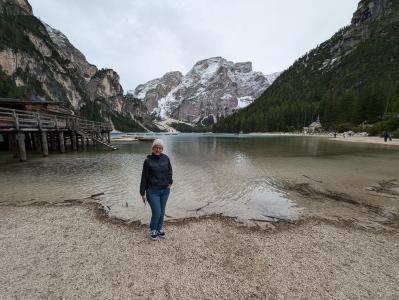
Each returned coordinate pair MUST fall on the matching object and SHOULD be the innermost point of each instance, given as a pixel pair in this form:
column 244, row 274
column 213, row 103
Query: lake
column 245, row 176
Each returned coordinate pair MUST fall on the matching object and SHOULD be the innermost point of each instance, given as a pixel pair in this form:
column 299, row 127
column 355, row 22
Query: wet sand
column 367, row 139
column 353, row 139
column 73, row 252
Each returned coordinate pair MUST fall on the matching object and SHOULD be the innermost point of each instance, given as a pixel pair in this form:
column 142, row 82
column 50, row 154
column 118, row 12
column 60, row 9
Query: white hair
column 157, row 142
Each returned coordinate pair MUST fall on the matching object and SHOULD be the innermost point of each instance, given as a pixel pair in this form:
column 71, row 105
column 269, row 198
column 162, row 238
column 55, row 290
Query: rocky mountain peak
column 15, row 7
column 369, row 10
column 105, row 85
column 205, row 69
column 350, row 37
column 214, row 87
column 243, row 67
column 205, row 63
column 173, row 76
column 155, row 89
column 76, row 60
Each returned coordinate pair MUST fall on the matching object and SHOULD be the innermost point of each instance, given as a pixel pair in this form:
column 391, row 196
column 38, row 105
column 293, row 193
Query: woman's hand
column 144, row 198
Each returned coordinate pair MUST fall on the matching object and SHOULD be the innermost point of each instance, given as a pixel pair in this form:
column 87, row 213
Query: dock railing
column 20, row 120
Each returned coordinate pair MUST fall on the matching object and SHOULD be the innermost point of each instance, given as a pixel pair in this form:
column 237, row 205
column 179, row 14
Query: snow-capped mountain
column 156, row 89
column 213, row 88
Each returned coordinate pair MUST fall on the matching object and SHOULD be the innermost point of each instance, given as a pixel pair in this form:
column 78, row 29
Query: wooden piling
column 53, row 141
column 36, row 139
column 74, row 141
column 61, row 141
column 44, row 143
column 21, row 146
column 49, row 141
column 13, row 144
column 43, row 131
column 79, row 140
column 56, row 141
column 65, row 141
column 83, row 141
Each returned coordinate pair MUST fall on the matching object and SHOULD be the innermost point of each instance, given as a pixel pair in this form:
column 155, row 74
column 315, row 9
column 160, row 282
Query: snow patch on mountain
column 244, row 101
column 141, row 90
column 213, row 88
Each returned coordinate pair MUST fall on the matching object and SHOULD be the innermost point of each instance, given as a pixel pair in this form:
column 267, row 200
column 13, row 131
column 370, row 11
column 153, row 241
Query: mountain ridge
column 349, row 80
column 214, row 87
column 39, row 62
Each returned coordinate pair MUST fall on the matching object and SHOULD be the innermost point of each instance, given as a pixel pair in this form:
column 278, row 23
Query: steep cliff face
column 156, row 89
column 21, row 7
column 370, row 10
column 38, row 61
column 76, row 60
column 213, row 88
column 358, row 31
column 350, row 79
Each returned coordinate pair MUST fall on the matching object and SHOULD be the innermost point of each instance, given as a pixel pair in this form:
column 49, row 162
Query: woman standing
column 156, row 181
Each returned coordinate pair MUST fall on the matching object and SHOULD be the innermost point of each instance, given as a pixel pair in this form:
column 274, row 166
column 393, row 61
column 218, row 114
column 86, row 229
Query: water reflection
column 230, row 175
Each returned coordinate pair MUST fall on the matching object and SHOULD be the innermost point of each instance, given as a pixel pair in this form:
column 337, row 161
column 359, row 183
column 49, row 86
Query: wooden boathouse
column 42, row 126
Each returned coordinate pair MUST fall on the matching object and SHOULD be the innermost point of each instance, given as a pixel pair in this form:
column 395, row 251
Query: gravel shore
column 366, row 139
column 69, row 252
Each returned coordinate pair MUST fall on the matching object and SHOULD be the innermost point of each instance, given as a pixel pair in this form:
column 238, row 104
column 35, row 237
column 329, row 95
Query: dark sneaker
column 161, row 233
column 154, row 235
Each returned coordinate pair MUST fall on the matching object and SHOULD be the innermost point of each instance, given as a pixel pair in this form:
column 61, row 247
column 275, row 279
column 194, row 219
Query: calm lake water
column 244, row 176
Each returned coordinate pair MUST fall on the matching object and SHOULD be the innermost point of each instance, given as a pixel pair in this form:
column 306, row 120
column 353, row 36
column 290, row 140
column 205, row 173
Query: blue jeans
column 157, row 199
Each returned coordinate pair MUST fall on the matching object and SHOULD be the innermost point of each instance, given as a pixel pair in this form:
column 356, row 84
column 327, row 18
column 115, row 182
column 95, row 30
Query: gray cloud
column 143, row 39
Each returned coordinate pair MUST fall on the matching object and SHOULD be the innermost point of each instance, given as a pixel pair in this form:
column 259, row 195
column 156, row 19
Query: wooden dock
column 43, row 132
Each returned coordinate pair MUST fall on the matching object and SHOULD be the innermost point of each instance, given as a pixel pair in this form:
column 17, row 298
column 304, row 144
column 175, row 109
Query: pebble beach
column 74, row 252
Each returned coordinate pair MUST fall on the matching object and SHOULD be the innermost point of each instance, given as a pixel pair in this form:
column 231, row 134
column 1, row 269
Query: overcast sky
column 143, row 39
